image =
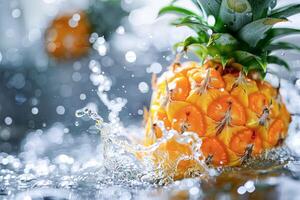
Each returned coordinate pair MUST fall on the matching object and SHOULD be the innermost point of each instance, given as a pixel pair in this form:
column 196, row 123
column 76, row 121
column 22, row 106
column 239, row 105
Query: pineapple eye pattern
column 236, row 117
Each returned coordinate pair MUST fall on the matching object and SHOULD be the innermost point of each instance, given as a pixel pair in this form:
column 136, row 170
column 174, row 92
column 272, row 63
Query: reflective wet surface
column 55, row 164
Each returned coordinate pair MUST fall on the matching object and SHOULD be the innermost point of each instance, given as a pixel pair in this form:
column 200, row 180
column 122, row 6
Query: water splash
column 159, row 167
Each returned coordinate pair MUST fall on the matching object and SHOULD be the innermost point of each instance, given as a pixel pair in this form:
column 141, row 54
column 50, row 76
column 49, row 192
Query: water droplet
column 100, row 40
column 76, row 76
column 130, row 56
column 194, row 191
column 102, row 50
column 26, row 177
column 60, row 110
column 120, row 30
column 211, row 20
column 76, row 123
column 66, row 130
column 154, row 68
column 34, row 110
column 241, row 190
column 64, row 159
column 82, row 96
column 143, row 87
column 140, row 112
column 250, row 190
column 77, row 65
column 4, row 161
column 80, row 113
column 76, row 17
column 20, row 99
column 73, row 23
column 16, row 13
column 210, row 32
column 249, row 184
column 5, row 134
column 8, row 120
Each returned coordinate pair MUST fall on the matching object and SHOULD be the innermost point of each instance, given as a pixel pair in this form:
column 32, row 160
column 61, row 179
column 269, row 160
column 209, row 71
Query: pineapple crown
column 236, row 29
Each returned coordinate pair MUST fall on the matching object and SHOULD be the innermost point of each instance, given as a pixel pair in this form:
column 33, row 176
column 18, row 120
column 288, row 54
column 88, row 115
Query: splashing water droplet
column 34, row 110
column 241, row 190
column 82, row 96
column 60, row 110
column 120, row 30
column 8, row 120
column 16, row 13
column 143, row 87
column 211, row 20
column 130, row 56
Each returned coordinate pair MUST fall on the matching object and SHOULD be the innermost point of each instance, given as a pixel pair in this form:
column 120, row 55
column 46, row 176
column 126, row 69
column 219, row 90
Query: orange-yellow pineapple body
column 68, row 36
column 235, row 116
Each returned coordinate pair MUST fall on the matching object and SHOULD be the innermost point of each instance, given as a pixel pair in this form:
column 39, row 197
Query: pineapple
column 67, row 36
column 224, row 99
column 65, row 40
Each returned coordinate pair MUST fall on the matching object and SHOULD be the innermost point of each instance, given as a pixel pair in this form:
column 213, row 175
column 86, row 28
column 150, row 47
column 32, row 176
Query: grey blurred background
column 37, row 91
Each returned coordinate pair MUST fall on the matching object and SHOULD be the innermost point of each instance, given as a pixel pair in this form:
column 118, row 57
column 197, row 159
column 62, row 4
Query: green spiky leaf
column 221, row 44
column 201, row 8
column 260, row 8
column 234, row 14
column 278, row 61
column 255, row 31
column 243, row 30
column 189, row 41
column 211, row 7
column 224, row 60
column 286, row 11
column 199, row 50
column 250, row 62
column 190, row 19
column 176, row 10
column 281, row 46
column 276, row 33
column 193, row 22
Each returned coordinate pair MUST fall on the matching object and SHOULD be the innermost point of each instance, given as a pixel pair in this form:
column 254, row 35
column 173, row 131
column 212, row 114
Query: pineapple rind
column 240, row 92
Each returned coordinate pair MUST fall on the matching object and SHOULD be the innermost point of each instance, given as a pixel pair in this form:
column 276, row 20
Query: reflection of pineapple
column 68, row 35
column 224, row 100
